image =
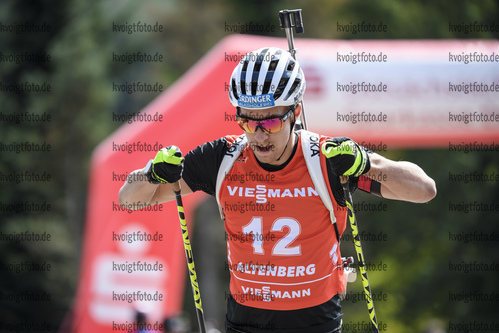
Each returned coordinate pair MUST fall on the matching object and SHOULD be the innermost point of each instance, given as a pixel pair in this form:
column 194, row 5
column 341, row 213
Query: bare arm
column 137, row 189
column 401, row 180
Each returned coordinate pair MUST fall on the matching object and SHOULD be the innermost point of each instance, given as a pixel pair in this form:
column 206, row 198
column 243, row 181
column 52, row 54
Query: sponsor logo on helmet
column 255, row 102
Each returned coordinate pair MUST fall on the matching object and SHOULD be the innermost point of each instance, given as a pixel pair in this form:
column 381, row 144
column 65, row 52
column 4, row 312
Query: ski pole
column 360, row 255
column 190, row 258
column 287, row 24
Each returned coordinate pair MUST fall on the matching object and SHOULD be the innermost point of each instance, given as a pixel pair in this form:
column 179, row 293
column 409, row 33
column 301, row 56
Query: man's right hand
column 167, row 166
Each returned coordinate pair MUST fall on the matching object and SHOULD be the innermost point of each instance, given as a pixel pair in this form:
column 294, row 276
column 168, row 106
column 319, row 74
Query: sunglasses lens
column 271, row 125
column 268, row 125
column 247, row 125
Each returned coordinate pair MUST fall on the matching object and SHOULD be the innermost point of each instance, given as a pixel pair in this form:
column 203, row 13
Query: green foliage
column 422, row 242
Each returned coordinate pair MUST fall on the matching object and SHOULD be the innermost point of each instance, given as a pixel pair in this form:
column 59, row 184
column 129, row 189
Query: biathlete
column 286, row 271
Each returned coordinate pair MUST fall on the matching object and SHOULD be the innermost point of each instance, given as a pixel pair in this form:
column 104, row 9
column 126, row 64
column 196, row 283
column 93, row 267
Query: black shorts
column 323, row 318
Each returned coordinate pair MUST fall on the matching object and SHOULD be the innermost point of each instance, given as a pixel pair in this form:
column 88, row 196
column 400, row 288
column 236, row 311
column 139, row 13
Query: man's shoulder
column 230, row 138
column 201, row 164
column 214, row 149
column 321, row 136
column 216, row 144
column 226, row 140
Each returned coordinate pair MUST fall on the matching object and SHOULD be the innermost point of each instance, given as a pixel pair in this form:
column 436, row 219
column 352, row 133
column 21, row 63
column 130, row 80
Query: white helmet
column 266, row 78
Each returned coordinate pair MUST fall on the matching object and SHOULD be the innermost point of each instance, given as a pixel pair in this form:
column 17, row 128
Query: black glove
column 167, row 166
column 346, row 157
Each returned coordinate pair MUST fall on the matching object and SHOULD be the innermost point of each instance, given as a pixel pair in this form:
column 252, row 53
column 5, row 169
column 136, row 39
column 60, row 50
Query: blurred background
column 419, row 286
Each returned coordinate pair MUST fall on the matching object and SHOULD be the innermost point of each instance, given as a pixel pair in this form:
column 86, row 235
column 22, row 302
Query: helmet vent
column 243, row 87
column 266, row 86
column 245, row 66
column 253, row 87
column 293, row 87
column 273, row 65
column 234, row 90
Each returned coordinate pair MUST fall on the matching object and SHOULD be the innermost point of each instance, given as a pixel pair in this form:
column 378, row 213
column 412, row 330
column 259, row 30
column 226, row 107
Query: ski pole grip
column 286, row 23
column 343, row 179
column 298, row 22
column 284, row 19
column 176, row 186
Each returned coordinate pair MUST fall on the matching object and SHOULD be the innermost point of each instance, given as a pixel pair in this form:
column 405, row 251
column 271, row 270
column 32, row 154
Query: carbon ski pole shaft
column 360, row 255
column 190, row 259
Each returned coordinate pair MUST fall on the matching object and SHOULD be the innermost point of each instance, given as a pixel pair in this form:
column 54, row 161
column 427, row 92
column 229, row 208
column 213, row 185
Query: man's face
column 269, row 147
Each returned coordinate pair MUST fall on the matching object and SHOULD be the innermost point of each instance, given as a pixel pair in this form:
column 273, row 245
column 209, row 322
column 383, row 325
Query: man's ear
column 297, row 111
